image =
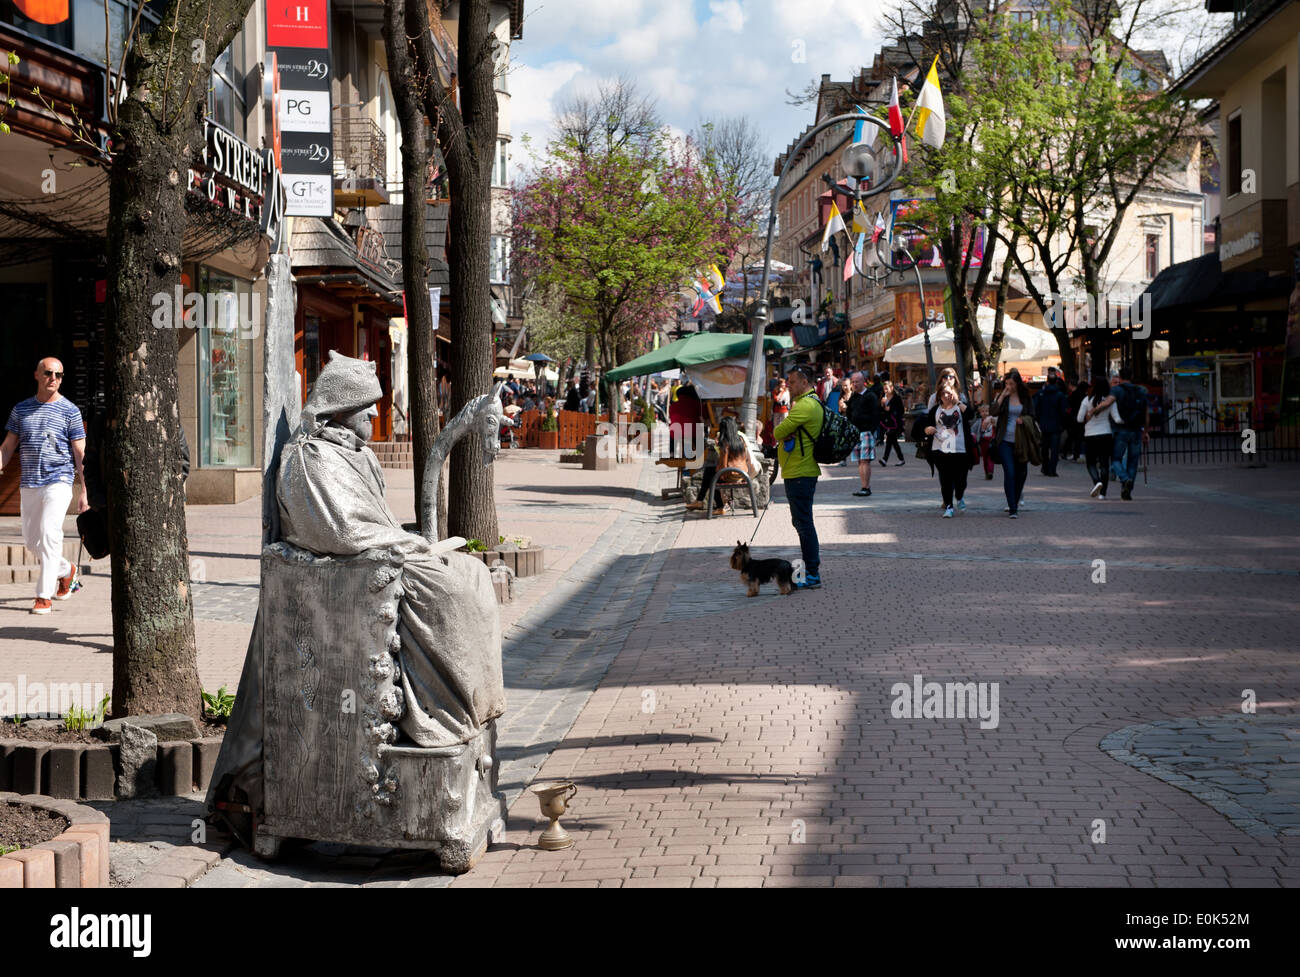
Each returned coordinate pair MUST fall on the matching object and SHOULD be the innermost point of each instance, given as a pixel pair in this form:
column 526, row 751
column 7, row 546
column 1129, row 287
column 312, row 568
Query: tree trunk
column 421, row 347
column 156, row 136
column 467, row 136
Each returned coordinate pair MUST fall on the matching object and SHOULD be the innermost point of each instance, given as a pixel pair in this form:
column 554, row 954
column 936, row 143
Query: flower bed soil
column 45, row 734
column 23, row 827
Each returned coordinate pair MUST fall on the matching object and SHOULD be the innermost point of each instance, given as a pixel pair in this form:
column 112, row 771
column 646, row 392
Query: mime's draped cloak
column 331, row 500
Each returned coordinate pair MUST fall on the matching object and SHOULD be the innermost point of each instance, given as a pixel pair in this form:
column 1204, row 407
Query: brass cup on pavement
column 553, row 798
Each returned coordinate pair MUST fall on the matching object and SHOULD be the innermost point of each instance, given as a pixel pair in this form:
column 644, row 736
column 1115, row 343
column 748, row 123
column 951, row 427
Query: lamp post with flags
column 860, row 162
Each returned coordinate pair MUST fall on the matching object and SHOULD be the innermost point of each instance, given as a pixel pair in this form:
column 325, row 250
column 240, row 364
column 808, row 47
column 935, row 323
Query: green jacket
column 798, row 461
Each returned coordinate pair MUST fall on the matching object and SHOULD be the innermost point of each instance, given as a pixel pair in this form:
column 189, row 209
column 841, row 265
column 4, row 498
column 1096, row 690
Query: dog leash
column 761, row 516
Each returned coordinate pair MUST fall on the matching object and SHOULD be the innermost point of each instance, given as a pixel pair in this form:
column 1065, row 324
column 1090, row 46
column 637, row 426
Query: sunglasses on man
column 51, row 373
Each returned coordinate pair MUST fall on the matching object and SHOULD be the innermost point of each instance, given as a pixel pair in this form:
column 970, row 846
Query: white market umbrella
column 1021, row 342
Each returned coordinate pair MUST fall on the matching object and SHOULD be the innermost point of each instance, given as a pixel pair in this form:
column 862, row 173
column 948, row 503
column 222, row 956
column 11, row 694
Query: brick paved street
column 731, row 741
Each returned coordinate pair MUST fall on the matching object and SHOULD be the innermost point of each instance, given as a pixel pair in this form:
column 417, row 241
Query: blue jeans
column 1051, row 451
column 1014, row 474
column 799, row 492
column 1128, row 449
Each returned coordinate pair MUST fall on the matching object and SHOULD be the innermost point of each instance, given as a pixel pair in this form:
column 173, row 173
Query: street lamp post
column 754, row 377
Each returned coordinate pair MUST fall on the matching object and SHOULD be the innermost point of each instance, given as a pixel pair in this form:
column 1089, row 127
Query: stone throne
column 335, row 768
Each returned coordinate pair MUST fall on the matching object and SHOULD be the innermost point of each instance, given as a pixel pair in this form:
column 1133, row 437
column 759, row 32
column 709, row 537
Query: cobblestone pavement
column 1245, row 766
column 761, row 742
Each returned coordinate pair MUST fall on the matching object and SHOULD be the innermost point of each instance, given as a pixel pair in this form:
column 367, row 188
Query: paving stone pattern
column 1245, row 766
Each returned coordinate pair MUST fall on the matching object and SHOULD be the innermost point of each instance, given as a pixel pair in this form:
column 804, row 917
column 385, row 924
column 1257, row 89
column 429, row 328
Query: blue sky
column 696, row 58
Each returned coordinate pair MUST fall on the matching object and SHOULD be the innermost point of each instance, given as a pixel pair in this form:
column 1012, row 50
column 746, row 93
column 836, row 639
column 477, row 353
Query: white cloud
column 697, row 59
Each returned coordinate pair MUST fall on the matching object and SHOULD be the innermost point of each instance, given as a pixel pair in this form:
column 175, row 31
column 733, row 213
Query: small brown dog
column 755, row 572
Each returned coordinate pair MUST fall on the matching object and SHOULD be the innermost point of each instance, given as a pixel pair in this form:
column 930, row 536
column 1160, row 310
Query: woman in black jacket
column 891, row 422
column 1013, row 405
column 949, row 444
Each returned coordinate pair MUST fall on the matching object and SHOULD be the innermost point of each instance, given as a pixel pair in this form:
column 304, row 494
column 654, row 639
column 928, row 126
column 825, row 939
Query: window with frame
column 226, row 93
column 1153, row 255
column 501, row 164
column 499, row 260
column 1233, row 134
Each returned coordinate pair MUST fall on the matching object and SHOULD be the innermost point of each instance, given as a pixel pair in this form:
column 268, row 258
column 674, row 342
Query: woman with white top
column 950, row 445
column 1097, row 435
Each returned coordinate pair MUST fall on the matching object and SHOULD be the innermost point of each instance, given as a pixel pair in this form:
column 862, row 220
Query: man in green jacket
column 798, row 467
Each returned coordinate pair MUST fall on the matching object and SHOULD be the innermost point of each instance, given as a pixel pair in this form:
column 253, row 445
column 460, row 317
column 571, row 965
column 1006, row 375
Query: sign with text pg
column 298, row 32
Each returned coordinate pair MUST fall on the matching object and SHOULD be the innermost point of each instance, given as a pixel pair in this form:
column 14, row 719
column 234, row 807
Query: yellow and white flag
column 930, row 121
column 833, row 224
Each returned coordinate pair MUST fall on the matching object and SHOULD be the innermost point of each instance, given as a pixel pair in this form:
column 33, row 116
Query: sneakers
column 810, row 582
column 961, row 505
column 882, row 463
column 899, row 464
column 1126, row 491
column 1014, row 516
column 1102, row 497
column 42, row 606
column 863, row 492
column 68, row 585
column 947, row 513
column 1096, row 490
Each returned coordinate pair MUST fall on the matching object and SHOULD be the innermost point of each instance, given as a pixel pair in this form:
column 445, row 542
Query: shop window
column 1236, row 379
column 226, row 428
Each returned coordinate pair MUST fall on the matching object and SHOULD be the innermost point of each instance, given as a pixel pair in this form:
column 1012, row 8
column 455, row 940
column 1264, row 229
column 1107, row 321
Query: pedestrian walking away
column 1051, row 407
column 47, row 434
column 1098, row 440
column 796, row 434
column 950, row 445
column 1130, row 432
column 864, row 413
column 1013, row 405
column 891, row 422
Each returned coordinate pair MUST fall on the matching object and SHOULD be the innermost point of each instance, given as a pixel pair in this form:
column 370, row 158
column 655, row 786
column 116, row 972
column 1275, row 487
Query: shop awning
column 324, row 255
column 1203, row 282
column 704, row 347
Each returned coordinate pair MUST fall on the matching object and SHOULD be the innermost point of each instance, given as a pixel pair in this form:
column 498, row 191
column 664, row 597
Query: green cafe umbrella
column 704, row 347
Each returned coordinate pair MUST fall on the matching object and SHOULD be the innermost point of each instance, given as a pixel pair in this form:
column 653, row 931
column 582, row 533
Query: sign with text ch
column 298, row 32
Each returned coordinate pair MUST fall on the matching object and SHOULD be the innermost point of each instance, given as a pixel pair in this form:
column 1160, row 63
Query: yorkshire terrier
column 755, row 572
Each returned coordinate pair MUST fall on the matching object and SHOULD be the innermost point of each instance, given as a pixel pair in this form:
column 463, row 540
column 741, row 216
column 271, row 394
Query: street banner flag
column 718, row 282
column 861, row 223
column 836, row 223
column 849, row 265
column 896, row 117
column 879, row 229
column 930, row 121
column 864, row 131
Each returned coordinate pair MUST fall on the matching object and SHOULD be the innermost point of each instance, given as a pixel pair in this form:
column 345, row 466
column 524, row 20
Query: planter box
column 548, row 440
column 526, row 562
column 570, row 459
column 480, row 555
column 76, row 859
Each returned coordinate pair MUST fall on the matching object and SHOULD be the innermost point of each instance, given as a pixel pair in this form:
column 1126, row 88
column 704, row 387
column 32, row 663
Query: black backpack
column 837, row 438
column 1132, row 405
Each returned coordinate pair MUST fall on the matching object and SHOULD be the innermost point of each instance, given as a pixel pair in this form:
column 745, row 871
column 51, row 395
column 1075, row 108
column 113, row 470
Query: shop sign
column 1231, row 249
column 298, row 34
column 236, row 177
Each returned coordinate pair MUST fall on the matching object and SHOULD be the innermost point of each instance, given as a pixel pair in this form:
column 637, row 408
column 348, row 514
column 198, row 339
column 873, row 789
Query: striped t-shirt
column 45, row 435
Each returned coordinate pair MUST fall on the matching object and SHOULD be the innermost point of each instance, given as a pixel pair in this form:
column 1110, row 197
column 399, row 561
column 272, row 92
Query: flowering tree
column 617, row 231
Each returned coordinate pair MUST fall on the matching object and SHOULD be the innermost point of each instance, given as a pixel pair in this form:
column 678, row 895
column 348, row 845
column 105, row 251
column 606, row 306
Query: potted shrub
column 549, row 435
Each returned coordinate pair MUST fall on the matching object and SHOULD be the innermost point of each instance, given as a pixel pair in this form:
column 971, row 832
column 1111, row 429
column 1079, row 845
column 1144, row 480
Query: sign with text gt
column 298, row 32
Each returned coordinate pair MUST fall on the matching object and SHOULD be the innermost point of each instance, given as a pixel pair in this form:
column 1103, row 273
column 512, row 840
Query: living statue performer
column 330, row 494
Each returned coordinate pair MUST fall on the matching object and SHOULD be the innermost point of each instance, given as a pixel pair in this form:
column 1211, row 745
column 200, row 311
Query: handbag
column 92, row 527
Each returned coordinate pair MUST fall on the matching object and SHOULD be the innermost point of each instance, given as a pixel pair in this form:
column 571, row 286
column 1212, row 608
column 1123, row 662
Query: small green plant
column 475, row 546
column 550, row 422
column 220, row 704
column 77, row 720
column 578, row 449
column 6, row 849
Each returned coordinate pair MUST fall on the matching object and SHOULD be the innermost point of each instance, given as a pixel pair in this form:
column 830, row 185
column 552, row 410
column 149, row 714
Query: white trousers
column 43, row 511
